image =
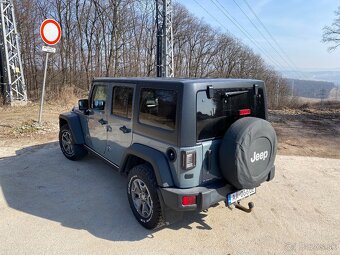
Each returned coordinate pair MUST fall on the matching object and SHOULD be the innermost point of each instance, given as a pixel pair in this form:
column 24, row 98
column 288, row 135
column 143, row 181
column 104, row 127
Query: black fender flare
column 156, row 159
column 74, row 124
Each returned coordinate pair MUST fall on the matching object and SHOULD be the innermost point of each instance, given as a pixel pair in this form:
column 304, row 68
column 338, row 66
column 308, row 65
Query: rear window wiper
column 234, row 93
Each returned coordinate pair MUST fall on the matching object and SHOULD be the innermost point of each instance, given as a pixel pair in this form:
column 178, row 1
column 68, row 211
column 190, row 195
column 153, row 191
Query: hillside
column 311, row 89
column 330, row 75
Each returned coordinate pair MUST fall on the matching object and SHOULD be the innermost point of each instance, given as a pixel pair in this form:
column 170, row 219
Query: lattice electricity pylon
column 165, row 49
column 12, row 79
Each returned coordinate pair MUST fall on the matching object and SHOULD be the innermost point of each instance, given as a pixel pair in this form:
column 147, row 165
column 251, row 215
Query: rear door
column 120, row 121
column 215, row 115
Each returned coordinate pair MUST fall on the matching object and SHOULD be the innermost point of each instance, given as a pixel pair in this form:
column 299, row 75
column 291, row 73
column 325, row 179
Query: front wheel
column 70, row 150
column 143, row 197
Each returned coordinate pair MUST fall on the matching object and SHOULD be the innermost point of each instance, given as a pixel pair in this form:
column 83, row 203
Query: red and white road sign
column 50, row 31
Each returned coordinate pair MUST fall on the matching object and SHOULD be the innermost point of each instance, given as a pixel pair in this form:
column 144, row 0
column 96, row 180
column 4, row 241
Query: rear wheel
column 70, row 150
column 143, row 197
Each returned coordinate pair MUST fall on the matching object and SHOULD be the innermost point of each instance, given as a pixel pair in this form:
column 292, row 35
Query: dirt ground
column 308, row 132
column 19, row 125
column 51, row 205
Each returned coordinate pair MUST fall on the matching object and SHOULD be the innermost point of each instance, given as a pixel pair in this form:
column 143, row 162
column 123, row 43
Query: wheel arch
column 138, row 154
column 73, row 121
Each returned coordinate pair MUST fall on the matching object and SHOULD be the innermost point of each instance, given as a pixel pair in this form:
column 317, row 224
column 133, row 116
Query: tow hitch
column 242, row 208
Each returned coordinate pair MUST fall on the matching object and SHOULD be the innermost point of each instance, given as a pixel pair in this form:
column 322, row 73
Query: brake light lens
column 188, row 159
column 189, row 200
column 244, row 112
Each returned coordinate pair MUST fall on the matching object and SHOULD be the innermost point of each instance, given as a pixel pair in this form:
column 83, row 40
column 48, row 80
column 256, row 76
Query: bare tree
column 331, row 34
column 118, row 38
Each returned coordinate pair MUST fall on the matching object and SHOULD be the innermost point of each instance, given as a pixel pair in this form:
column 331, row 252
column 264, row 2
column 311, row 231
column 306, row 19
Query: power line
column 265, row 38
column 244, row 32
column 272, row 37
column 212, row 16
column 223, row 25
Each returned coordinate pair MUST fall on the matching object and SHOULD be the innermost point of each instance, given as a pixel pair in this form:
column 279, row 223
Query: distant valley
column 316, row 75
column 314, row 83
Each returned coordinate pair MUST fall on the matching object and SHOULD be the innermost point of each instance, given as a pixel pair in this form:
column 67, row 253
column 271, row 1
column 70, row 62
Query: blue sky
column 295, row 24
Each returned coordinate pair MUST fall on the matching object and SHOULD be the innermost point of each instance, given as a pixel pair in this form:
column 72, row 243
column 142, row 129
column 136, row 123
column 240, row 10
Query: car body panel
column 96, row 119
column 119, row 129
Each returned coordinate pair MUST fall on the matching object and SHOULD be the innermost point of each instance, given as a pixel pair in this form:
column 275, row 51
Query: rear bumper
column 205, row 196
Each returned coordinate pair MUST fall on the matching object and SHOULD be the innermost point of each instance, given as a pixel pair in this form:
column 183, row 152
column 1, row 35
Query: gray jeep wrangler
column 185, row 144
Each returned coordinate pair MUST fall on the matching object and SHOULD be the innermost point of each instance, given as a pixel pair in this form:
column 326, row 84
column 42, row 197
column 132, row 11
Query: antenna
column 12, row 76
column 165, row 50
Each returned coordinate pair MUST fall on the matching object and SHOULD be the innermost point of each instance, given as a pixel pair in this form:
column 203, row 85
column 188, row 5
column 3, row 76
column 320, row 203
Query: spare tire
column 247, row 153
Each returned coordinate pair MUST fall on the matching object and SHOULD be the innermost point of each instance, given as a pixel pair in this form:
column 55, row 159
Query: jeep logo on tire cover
column 259, row 156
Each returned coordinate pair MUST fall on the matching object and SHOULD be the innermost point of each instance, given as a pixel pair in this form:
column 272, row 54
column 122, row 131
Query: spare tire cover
column 247, row 152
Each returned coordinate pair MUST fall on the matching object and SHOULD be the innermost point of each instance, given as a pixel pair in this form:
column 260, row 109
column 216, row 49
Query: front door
column 97, row 119
column 120, row 122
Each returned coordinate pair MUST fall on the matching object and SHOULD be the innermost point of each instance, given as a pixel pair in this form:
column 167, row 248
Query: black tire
column 248, row 152
column 70, row 150
column 152, row 217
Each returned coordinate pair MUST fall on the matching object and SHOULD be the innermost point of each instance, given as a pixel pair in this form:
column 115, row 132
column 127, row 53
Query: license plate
column 238, row 195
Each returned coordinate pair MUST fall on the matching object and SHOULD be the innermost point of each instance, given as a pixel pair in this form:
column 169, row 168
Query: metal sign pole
column 50, row 32
column 43, row 89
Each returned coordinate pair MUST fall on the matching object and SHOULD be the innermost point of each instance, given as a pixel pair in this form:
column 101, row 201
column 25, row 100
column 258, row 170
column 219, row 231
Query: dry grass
column 2, row 100
column 302, row 103
column 65, row 95
column 62, row 96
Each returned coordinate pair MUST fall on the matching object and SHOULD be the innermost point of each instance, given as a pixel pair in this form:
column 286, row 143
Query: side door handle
column 125, row 130
column 102, row 121
column 108, row 128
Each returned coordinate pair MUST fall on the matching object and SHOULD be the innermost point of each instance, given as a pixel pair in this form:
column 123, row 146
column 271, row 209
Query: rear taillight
column 244, row 112
column 189, row 200
column 188, row 159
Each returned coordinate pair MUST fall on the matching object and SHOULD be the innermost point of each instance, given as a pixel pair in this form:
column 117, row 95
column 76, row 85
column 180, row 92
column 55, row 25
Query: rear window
column 215, row 115
column 158, row 108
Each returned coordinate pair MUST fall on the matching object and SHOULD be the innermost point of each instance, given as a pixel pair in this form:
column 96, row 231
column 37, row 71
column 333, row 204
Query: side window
column 158, row 108
column 98, row 98
column 122, row 102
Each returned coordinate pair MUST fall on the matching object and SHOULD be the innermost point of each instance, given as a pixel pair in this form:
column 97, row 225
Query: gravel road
column 49, row 205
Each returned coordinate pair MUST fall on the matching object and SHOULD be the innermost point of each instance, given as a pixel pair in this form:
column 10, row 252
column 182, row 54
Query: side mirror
column 83, row 104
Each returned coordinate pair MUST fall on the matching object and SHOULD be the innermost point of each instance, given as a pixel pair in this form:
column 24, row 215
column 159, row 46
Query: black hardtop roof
column 174, row 80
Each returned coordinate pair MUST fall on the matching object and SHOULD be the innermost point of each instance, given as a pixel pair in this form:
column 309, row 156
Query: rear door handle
column 125, row 130
column 102, row 121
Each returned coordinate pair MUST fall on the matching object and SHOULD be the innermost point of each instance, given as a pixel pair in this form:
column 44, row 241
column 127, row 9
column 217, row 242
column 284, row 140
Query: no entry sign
column 50, row 31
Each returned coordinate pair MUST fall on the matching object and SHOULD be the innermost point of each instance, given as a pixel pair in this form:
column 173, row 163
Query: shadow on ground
column 86, row 194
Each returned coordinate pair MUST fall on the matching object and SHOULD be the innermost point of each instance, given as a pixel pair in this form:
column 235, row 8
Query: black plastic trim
column 102, row 157
column 171, row 154
column 154, row 157
column 73, row 122
column 206, row 196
